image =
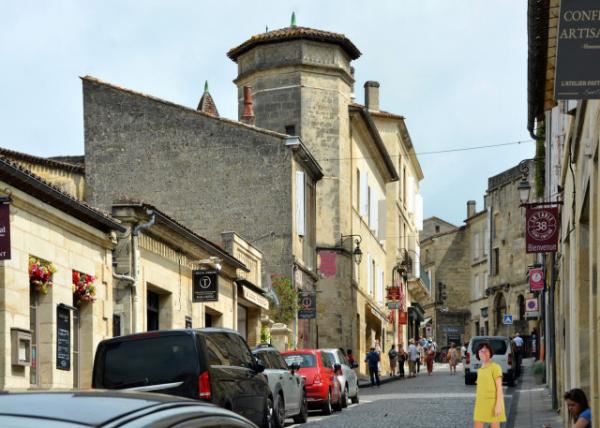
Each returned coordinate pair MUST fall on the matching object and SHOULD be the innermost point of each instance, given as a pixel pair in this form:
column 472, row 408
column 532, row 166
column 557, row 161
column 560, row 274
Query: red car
column 323, row 390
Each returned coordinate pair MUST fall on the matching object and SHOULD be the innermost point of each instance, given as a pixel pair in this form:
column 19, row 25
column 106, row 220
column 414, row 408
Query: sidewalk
column 531, row 406
column 365, row 381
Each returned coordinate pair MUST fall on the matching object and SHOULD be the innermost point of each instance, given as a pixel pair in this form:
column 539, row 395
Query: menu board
column 63, row 338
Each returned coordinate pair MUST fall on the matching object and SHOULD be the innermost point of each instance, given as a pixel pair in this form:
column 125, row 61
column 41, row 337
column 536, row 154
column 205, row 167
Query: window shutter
column 364, row 193
column 410, row 194
column 300, row 205
column 419, row 212
column 370, row 274
column 382, row 219
column 374, row 216
column 379, row 284
column 417, row 262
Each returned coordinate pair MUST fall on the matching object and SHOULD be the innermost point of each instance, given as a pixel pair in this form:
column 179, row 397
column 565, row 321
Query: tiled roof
column 207, row 105
column 379, row 113
column 295, row 33
column 26, row 181
column 53, row 163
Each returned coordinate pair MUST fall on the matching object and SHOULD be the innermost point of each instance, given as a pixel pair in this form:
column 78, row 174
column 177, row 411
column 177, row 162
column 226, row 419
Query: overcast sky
column 455, row 69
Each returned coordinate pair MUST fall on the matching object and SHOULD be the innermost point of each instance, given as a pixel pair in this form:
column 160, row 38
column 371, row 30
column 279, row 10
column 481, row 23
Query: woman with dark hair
column 579, row 409
column 489, row 399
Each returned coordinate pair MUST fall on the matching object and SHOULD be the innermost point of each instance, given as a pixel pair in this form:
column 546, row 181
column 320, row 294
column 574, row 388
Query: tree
column 288, row 300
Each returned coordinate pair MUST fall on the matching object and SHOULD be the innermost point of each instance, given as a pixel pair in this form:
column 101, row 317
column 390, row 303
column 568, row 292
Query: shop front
column 251, row 304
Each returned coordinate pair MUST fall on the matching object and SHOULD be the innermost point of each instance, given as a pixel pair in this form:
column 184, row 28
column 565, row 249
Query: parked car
column 211, row 364
column 287, row 386
column 502, row 355
column 111, row 409
column 322, row 386
column 346, row 376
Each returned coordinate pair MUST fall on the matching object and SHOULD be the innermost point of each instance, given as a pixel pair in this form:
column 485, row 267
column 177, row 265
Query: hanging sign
column 394, row 293
column 328, row 263
column 536, row 279
column 63, row 338
column 402, row 317
column 205, row 285
column 4, row 231
column 307, row 305
column 578, row 51
column 541, row 230
column 531, row 305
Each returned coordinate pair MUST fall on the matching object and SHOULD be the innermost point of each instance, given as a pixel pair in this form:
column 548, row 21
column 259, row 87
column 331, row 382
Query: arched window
column 521, row 303
column 500, row 309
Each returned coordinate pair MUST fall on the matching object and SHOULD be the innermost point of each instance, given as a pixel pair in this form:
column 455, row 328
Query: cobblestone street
column 439, row 400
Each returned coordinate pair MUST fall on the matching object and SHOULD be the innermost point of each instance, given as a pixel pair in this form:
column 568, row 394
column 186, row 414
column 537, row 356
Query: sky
column 456, row 70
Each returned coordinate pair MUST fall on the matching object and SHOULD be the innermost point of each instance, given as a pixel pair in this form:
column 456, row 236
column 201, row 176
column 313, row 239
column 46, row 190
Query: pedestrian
column 421, row 359
column 463, row 351
column 377, row 346
column 580, row 413
column 413, row 357
column 452, row 358
column 350, row 358
column 429, row 357
column 372, row 360
column 518, row 342
column 489, row 399
column 393, row 356
column 401, row 359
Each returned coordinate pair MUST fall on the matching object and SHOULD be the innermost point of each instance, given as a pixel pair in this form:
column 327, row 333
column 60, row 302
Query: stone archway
column 499, row 309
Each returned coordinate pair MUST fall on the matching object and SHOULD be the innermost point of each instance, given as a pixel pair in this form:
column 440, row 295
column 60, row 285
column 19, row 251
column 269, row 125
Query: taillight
column 204, row 386
column 317, row 379
column 467, row 358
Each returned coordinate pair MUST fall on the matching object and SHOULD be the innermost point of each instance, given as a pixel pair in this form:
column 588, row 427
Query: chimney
column 471, row 208
column 372, row 95
column 248, row 115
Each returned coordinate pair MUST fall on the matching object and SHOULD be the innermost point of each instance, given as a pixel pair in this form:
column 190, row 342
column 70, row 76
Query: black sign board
column 63, row 338
column 578, row 51
column 205, row 285
column 4, row 231
column 307, row 305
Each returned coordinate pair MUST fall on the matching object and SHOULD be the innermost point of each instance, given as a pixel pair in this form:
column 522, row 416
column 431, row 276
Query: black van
column 212, row 364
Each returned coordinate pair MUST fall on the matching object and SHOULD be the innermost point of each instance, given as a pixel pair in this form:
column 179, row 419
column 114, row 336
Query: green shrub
column 539, row 369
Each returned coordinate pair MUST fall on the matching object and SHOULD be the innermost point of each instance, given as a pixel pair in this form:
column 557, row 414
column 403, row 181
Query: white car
column 289, row 394
column 346, row 376
column 503, row 355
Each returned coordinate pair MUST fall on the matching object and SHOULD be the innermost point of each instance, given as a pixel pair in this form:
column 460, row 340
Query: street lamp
column 524, row 189
column 357, row 252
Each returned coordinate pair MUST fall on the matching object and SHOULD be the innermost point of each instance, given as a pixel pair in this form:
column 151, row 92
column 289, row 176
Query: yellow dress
column 485, row 398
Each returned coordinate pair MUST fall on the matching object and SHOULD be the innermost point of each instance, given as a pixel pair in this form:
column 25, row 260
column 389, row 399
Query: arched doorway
column 521, row 304
column 500, row 309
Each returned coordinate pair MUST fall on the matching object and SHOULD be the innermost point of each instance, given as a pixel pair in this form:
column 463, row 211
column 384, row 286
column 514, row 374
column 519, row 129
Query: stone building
column 302, row 83
column 211, row 174
column 568, row 134
column 478, row 256
column 53, row 238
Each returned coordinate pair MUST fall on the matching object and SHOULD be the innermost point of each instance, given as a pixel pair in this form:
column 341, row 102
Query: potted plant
column 83, row 286
column 41, row 273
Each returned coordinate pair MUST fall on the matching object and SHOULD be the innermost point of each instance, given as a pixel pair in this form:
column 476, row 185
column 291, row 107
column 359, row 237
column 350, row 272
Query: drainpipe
column 135, row 264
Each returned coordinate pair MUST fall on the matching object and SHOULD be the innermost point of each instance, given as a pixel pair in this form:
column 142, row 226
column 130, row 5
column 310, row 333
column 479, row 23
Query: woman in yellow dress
column 489, row 399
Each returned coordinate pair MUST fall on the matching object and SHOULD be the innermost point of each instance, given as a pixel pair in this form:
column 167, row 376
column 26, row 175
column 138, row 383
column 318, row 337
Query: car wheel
column 302, row 417
column 327, row 408
column 355, row 398
column 338, row 405
column 268, row 415
column 345, row 397
column 278, row 412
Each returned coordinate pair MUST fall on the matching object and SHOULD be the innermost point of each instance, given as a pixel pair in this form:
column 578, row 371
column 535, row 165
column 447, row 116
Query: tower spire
column 206, row 86
column 293, row 24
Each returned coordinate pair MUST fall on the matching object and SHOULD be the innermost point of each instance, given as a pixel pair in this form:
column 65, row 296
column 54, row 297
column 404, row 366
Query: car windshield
column 148, row 361
column 498, row 345
column 303, row 360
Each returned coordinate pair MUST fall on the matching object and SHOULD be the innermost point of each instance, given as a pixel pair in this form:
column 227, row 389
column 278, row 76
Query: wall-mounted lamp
column 524, row 189
column 356, row 253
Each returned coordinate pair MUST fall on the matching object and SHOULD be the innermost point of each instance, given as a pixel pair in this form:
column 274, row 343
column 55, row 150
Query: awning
column 426, row 321
column 414, row 313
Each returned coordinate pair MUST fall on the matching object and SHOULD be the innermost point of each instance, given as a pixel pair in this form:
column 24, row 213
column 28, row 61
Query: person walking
column 518, row 342
column 580, row 413
column 463, row 351
column 401, row 359
column 421, row 359
column 350, row 358
column 393, row 356
column 413, row 357
column 452, row 358
column 489, row 399
column 372, row 360
column 429, row 357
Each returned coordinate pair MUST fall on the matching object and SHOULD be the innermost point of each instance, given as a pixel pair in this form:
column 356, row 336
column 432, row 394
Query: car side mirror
column 294, row 367
column 258, row 366
column 337, row 368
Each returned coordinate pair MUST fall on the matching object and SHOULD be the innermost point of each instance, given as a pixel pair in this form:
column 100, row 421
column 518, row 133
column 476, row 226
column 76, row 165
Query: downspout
column 135, row 264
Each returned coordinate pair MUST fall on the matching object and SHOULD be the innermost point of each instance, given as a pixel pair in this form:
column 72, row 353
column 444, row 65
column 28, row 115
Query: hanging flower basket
column 40, row 274
column 83, row 287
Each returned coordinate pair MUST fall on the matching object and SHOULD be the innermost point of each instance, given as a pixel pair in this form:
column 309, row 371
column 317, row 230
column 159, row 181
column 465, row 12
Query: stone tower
column 302, row 84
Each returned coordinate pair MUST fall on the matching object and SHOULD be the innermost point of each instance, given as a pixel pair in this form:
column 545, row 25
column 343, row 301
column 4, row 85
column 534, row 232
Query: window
column 374, row 277
column 476, row 246
column 152, row 310
column 33, row 326
column 326, row 359
column 116, row 325
column 437, row 228
column 369, row 207
column 374, row 212
column 404, row 185
column 476, row 290
column 379, row 284
column 290, row 129
column 303, row 360
column 496, row 262
column 364, row 193
column 370, row 274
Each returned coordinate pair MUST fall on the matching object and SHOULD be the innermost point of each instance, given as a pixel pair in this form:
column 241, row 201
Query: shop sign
column 541, row 230
column 578, row 51
column 393, row 305
column 532, row 315
column 4, row 231
column 429, row 330
column 402, row 317
column 453, row 329
column 536, row 279
column 205, row 285
column 254, row 297
column 328, row 263
column 394, row 293
column 63, row 338
column 307, row 305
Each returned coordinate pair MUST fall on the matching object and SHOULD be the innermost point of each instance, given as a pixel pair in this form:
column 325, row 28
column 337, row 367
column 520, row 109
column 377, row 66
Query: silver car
column 347, row 376
column 289, row 395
